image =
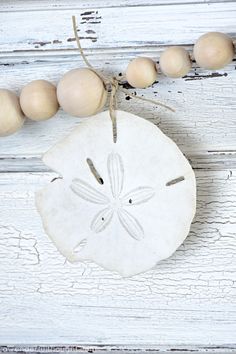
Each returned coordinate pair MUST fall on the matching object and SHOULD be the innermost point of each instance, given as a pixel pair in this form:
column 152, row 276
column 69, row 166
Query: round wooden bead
column 141, row 72
column 11, row 116
column 38, row 100
column 213, row 50
column 81, row 92
column 175, row 62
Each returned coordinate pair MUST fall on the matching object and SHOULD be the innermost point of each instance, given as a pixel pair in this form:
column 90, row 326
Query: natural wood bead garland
column 81, row 92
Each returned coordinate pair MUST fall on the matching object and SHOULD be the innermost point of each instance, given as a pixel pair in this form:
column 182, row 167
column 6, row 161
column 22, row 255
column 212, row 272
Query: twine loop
column 112, row 85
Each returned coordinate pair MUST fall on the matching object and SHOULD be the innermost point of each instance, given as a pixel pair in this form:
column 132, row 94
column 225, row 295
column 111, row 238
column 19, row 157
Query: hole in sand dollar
column 175, row 181
column 55, row 178
column 94, row 171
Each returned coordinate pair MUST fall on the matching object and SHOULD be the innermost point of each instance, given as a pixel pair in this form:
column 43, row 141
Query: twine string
column 102, row 77
column 158, row 103
column 79, row 45
column 112, row 85
column 113, row 107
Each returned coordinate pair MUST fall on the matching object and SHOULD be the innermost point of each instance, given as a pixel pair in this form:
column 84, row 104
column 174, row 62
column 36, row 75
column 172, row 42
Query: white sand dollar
column 139, row 209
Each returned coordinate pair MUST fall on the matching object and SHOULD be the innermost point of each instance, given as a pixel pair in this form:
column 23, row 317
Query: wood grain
column 204, row 101
column 16, row 5
column 136, row 26
column 204, row 120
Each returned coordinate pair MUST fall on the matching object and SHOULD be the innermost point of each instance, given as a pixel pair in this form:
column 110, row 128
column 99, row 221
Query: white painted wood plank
column 189, row 299
column 205, row 106
column 100, row 349
column 216, row 161
column 26, row 5
column 130, row 26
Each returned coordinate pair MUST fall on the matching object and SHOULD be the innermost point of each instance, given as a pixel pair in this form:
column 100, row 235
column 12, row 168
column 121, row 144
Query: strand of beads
column 213, row 50
column 81, row 92
column 38, row 101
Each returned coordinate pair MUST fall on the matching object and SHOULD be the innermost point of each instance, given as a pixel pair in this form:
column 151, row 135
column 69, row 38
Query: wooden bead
column 11, row 116
column 38, row 100
column 81, row 93
column 141, row 72
column 175, row 62
column 213, row 50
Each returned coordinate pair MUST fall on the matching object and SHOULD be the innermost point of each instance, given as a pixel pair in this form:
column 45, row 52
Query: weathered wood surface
column 189, row 301
column 23, row 5
column 189, row 298
column 122, row 26
column 204, row 120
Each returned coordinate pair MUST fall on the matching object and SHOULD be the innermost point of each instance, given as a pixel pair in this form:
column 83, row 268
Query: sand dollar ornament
column 125, row 205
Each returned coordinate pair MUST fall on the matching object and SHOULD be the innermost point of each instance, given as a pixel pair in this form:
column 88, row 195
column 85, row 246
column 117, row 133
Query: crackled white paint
column 187, row 302
column 109, row 27
column 189, row 298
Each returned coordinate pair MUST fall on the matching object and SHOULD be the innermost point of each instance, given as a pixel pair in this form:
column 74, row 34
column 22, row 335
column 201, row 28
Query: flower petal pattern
column 138, row 196
column 102, row 219
column 85, row 191
column 130, row 224
column 116, row 173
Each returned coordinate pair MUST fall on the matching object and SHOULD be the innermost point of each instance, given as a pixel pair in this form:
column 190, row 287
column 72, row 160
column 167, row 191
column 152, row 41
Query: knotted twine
column 112, row 85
